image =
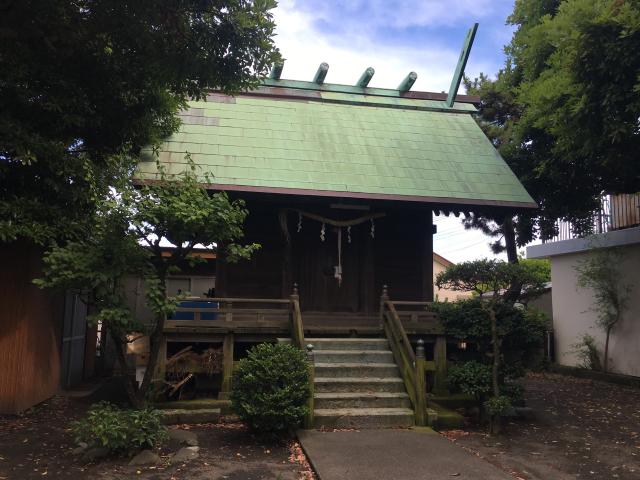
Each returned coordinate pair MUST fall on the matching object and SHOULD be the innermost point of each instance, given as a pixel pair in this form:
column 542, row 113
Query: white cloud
column 304, row 47
column 398, row 13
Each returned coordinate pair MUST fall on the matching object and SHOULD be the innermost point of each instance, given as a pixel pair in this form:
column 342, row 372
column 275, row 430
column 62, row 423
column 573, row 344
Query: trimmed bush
column 120, row 431
column 271, row 387
column 471, row 378
column 496, row 406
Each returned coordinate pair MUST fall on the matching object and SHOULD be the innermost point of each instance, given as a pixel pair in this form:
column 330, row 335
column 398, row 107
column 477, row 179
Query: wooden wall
column 399, row 255
column 30, row 329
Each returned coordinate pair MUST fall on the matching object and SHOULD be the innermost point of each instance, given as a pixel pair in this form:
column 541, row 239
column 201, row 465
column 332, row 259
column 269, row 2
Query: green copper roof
column 340, row 143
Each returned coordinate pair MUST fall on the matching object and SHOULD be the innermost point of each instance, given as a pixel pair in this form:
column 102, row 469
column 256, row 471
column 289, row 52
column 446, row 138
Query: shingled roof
column 329, row 140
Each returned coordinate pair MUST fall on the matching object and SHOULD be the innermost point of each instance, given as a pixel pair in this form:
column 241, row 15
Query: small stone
column 183, row 437
column 95, row 453
column 80, row 449
column 185, row 454
column 145, row 457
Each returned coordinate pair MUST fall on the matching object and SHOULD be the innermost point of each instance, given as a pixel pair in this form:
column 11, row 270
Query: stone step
column 348, row 343
column 353, row 356
column 363, row 417
column 354, row 384
column 362, row 370
column 181, row 415
column 362, row 400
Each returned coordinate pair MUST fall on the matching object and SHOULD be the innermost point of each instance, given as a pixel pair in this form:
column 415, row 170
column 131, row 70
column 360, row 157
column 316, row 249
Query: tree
column 600, row 272
column 492, row 280
column 86, row 84
column 125, row 240
column 563, row 111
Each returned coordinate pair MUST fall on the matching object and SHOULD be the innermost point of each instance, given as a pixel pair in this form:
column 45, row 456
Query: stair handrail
column 297, row 334
column 411, row 368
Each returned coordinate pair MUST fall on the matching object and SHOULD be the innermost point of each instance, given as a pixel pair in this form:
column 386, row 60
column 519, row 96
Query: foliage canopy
column 124, row 239
column 86, row 84
column 564, row 109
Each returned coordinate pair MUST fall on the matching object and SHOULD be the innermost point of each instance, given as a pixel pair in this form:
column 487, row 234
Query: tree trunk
column 496, row 352
column 605, row 364
column 513, row 293
column 155, row 341
column 495, row 422
column 510, row 240
column 131, row 386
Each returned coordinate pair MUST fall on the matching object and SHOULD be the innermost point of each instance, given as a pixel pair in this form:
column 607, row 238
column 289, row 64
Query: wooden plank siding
column 30, row 331
column 399, row 255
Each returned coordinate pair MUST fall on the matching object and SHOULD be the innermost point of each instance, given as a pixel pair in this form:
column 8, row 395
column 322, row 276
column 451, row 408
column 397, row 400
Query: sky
column 396, row 37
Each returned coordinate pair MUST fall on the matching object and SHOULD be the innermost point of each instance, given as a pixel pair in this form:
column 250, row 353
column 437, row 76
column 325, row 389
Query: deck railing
column 219, row 311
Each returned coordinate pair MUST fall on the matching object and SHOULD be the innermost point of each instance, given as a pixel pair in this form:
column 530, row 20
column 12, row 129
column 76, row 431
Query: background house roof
column 334, row 140
column 441, row 260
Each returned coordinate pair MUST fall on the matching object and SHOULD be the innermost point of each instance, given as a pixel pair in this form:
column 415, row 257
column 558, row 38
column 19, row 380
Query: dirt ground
column 39, row 444
column 582, row 429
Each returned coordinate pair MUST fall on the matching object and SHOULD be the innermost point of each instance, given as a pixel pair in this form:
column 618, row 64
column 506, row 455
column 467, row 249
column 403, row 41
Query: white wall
column 572, row 317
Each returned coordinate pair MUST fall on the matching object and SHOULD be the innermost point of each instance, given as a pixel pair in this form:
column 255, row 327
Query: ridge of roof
column 300, row 90
column 373, row 91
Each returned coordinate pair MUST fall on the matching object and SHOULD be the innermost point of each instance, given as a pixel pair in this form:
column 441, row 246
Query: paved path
column 419, row 454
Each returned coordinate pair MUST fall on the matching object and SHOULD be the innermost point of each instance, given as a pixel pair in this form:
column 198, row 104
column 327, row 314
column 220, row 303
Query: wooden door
column 314, row 263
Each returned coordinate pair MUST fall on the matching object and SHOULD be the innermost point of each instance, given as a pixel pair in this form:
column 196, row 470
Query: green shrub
column 271, row 387
column 522, row 330
column 472, row 378
column 513, row 391
column 120, row 431
column 497, row 405
column 587, row 352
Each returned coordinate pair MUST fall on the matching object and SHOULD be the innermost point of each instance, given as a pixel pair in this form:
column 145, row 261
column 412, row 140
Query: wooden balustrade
column 413, row 365
column 227, row 318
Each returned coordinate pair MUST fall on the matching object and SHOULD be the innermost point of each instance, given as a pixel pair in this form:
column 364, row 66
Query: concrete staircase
column 358, row 385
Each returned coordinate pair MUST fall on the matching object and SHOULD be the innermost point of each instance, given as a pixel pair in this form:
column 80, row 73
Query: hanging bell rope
column 338, row 272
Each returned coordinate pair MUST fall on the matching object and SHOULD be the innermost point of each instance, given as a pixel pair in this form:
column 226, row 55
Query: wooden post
column 161, row 365
column 222, row 289
column 440, row 359
column 426, row 258
column 308, row 419
column 227, row 366
column 421, row 400
column 297, row 330
column 368, row 274
column 383, row 299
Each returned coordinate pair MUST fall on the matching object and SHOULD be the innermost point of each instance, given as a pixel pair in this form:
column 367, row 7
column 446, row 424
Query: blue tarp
column 195, row 304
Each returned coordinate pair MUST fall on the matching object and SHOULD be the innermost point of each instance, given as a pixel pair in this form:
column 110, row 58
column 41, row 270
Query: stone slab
column 419, row 454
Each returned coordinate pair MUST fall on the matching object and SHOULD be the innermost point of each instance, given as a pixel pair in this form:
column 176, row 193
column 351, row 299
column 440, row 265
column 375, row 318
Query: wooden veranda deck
column 248, row 320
